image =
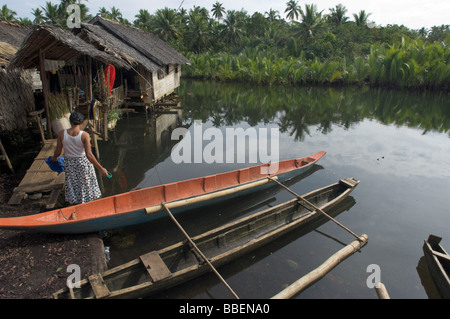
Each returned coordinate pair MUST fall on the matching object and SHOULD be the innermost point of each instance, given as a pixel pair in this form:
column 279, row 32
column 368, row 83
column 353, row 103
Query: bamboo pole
column 381, row 290
column 202, row 198
column 199, row 251
column 322, row 270
column 45, row 91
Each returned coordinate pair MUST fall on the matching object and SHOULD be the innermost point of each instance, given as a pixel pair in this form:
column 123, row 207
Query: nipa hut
column 155, row 67
column 63, row 61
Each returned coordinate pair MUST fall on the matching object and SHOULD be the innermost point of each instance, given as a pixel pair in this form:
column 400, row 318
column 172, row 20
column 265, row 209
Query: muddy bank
column 34, row 265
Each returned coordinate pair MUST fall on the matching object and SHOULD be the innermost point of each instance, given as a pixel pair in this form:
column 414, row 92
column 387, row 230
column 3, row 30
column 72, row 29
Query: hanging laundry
column 110, row 77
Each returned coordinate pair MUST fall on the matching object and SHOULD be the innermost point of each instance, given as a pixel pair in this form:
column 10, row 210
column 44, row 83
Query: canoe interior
column 230, row 239
column 438, row 264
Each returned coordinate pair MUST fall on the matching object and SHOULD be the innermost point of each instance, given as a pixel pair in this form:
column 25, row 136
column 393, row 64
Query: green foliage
column 408, row 64
column 311, row 47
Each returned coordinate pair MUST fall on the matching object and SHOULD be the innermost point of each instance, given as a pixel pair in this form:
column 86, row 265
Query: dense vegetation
column 308, row 47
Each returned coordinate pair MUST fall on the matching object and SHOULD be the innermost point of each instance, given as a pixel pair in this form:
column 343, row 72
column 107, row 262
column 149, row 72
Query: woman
column 81, row 181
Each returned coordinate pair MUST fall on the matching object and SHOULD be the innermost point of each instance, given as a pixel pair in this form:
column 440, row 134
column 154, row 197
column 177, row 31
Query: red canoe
column 143, row 205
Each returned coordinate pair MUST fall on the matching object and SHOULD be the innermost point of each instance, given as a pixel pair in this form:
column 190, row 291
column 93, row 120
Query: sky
column 414, row 14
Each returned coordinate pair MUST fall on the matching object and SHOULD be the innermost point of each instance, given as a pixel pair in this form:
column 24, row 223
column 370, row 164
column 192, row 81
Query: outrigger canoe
column 438, row 263
column 144, row 205
column 165, row 268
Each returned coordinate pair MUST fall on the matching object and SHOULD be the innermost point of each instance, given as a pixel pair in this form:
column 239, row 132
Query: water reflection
column 138, row 143
column 295, row 110
column 397, row 143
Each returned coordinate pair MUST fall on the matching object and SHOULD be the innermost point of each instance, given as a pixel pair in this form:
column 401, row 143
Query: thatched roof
column 12, row 33
column 7, row 52
column 101, row 38
column 58, row 44
column 149, row 45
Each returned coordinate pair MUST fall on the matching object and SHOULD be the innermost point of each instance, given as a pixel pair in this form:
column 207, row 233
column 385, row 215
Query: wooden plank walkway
column 40, row 178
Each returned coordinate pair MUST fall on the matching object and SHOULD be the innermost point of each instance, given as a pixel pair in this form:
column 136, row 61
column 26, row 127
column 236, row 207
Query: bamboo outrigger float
column 144, row 205
column 168, row 267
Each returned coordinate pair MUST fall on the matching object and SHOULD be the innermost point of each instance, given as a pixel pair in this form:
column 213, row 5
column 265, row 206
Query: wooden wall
column 167, row 83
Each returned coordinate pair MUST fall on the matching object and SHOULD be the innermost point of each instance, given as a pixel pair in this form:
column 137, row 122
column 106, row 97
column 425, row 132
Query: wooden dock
column 40, row 178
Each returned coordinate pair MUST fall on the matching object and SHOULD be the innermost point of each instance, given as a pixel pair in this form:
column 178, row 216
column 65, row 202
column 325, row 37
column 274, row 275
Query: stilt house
column 155, row 67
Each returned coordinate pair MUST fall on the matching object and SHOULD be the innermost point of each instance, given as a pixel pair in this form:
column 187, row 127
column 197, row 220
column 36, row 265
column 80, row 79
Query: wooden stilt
column 38, row 117
column 45, row 91
column 5, row 157
column 199, row 251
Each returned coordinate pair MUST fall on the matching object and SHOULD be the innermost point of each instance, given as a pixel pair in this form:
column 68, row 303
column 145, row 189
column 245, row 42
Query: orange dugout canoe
column 144, row 205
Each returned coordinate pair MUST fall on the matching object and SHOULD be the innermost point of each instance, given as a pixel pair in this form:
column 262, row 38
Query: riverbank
column 34, row 265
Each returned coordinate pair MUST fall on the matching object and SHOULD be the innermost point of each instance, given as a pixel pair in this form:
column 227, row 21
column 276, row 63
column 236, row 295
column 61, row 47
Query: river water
column 395, row 142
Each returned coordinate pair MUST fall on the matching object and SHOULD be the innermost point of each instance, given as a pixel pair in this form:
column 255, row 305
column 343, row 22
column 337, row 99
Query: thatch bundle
column 16, row 99
column 7, row 51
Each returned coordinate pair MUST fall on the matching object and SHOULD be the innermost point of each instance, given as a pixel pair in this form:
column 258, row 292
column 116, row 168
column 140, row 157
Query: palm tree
column 200, row 11
column 115, row 14
column 7, row 14
column 183, row 16
column 312, row 21
column 38, row 17
column 166, row 24
column 104, row 13
column 25, row 21
column 143, row 19
column 293, row 10
column 198, row 32
column 231, row 30
column 361, row 18
column 50, row 13
column 272, row 15
column 337, row 15
column 218, row 10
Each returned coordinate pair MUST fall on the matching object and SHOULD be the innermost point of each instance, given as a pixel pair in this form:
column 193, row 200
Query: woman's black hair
column 76, row 118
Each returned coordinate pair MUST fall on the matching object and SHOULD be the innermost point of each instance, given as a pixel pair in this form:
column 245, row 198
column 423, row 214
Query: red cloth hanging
column 110, row 76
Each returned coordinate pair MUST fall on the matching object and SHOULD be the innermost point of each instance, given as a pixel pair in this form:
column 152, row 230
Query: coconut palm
column 7, row 14
column 361, row 18
column 166, row 24
column 337, row 15
column 51, row 13
column 115, row 14
column 198, row 32
column 231, row 30
column 218, row 10
column 293, row 10
column 143, row 19
column 103, row 12
column 38, row 17
column 312, row 21
column 272, row 15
